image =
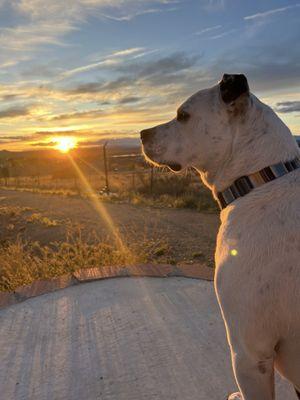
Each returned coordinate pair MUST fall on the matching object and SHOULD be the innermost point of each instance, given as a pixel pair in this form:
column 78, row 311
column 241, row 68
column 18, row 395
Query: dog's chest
column 258, row 244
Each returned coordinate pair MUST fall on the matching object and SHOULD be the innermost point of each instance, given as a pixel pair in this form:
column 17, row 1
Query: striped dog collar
column 245, row 184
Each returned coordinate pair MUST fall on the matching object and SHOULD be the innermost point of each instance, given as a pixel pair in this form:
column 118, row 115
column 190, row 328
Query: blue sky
column 95, row 69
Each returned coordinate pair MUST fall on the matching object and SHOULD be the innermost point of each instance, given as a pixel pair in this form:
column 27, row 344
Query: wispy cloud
column 209, row 29
column 89, row 67
column 222, row 34
column 14, row 112
column 90, row 85
column 129, row 17
column 111, row 59
column 130, row 100
column 146, row 53
column 169, row 64
column 91, row 114
column 288, row 107
column 271, row 12
column 31, row 36
column 126, row 52
column 47, row 22
column 8, row 64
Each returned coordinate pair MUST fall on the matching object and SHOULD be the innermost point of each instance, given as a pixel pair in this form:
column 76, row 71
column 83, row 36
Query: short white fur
column 257, row 284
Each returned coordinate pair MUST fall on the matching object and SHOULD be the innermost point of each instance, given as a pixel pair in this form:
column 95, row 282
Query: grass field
column 43, row 236
column 22, row 262
column 54, row 221
column 145, row 187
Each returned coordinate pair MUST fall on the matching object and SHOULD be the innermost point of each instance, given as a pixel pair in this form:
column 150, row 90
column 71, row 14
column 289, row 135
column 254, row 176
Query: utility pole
column 105, row 167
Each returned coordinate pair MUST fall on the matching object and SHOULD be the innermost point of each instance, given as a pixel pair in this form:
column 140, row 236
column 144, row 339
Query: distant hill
column 115, row 146
column 40, row 162
column 4, row 154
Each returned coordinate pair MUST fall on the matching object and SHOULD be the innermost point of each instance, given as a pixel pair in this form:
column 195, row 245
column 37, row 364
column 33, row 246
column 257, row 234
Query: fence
column 148, row 181
column 113, row 173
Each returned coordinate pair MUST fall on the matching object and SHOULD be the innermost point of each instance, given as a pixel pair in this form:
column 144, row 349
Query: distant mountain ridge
column 116, row 146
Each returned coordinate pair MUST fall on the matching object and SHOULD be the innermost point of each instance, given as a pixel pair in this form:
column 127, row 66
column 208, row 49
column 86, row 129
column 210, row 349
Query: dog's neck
column 259, row 141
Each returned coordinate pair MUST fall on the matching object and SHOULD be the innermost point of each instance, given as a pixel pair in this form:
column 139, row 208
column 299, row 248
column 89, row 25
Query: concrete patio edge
column 40, row 287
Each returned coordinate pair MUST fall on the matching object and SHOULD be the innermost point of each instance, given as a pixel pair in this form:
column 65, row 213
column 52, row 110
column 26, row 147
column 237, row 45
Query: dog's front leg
column 254, row 376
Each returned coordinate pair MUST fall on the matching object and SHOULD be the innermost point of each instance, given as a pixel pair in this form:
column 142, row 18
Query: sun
column 65, row 144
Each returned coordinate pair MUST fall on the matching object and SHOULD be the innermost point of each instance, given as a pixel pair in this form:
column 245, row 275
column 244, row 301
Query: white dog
column 247, row 156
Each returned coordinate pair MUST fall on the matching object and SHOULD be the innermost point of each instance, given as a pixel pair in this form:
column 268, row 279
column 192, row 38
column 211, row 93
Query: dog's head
column 201, row 133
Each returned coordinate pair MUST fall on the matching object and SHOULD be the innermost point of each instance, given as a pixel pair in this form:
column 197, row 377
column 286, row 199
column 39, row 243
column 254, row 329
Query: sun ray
column 90, row 166
column 99, row 207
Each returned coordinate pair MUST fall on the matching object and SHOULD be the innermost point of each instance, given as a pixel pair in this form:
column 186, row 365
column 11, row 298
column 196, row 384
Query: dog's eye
column 182, row 116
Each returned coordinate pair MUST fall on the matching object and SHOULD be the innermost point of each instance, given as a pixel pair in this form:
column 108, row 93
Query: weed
column 39, row 218
column 21, row 263
column 13, row 211
column 167, row 190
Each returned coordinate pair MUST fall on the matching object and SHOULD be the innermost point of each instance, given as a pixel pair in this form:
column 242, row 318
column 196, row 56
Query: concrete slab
column 118, row 339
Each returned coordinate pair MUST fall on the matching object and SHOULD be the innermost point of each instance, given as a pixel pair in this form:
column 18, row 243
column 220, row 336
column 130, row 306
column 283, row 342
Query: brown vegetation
column 21, row 263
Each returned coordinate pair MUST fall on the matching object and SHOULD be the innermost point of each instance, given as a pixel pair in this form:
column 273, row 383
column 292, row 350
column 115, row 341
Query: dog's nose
column 146, row 134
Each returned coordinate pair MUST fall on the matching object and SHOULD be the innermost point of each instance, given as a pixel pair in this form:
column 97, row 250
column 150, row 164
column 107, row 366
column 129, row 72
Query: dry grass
column 22, row 263
column 59, row 192
column 168, row 190
column 39, row 218
column 13, row 211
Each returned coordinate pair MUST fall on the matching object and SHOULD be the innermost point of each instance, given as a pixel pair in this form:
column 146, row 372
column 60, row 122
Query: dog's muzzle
column 148, row 139
column 147, row 135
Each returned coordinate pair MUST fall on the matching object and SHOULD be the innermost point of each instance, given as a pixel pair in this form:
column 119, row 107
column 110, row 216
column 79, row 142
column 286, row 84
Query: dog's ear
column 233, row 86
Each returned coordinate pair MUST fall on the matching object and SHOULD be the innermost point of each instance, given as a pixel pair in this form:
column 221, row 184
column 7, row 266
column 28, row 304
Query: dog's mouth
column 153, row 159
column 174, row 167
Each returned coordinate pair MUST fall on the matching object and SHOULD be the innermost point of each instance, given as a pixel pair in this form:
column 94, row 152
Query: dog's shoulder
column 264, row 221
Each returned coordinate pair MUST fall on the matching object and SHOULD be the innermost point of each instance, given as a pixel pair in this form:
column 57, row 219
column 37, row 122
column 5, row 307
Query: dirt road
column 190, row 234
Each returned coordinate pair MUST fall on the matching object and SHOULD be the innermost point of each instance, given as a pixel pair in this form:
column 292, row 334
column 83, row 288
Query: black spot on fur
column 249, row 141
column 216, row 139
column 264, row 288
column 261, row 367
column 276, row 348
column 232, row 87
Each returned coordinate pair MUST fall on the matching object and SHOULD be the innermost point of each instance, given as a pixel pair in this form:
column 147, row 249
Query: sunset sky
column 104, row 69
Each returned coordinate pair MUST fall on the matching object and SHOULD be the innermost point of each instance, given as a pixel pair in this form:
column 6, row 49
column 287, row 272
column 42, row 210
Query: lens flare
column 234, row 252
column 99, row 207
column 65, row 143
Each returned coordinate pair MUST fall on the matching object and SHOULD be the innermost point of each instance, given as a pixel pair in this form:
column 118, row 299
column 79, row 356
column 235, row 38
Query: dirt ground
column 190, row 235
